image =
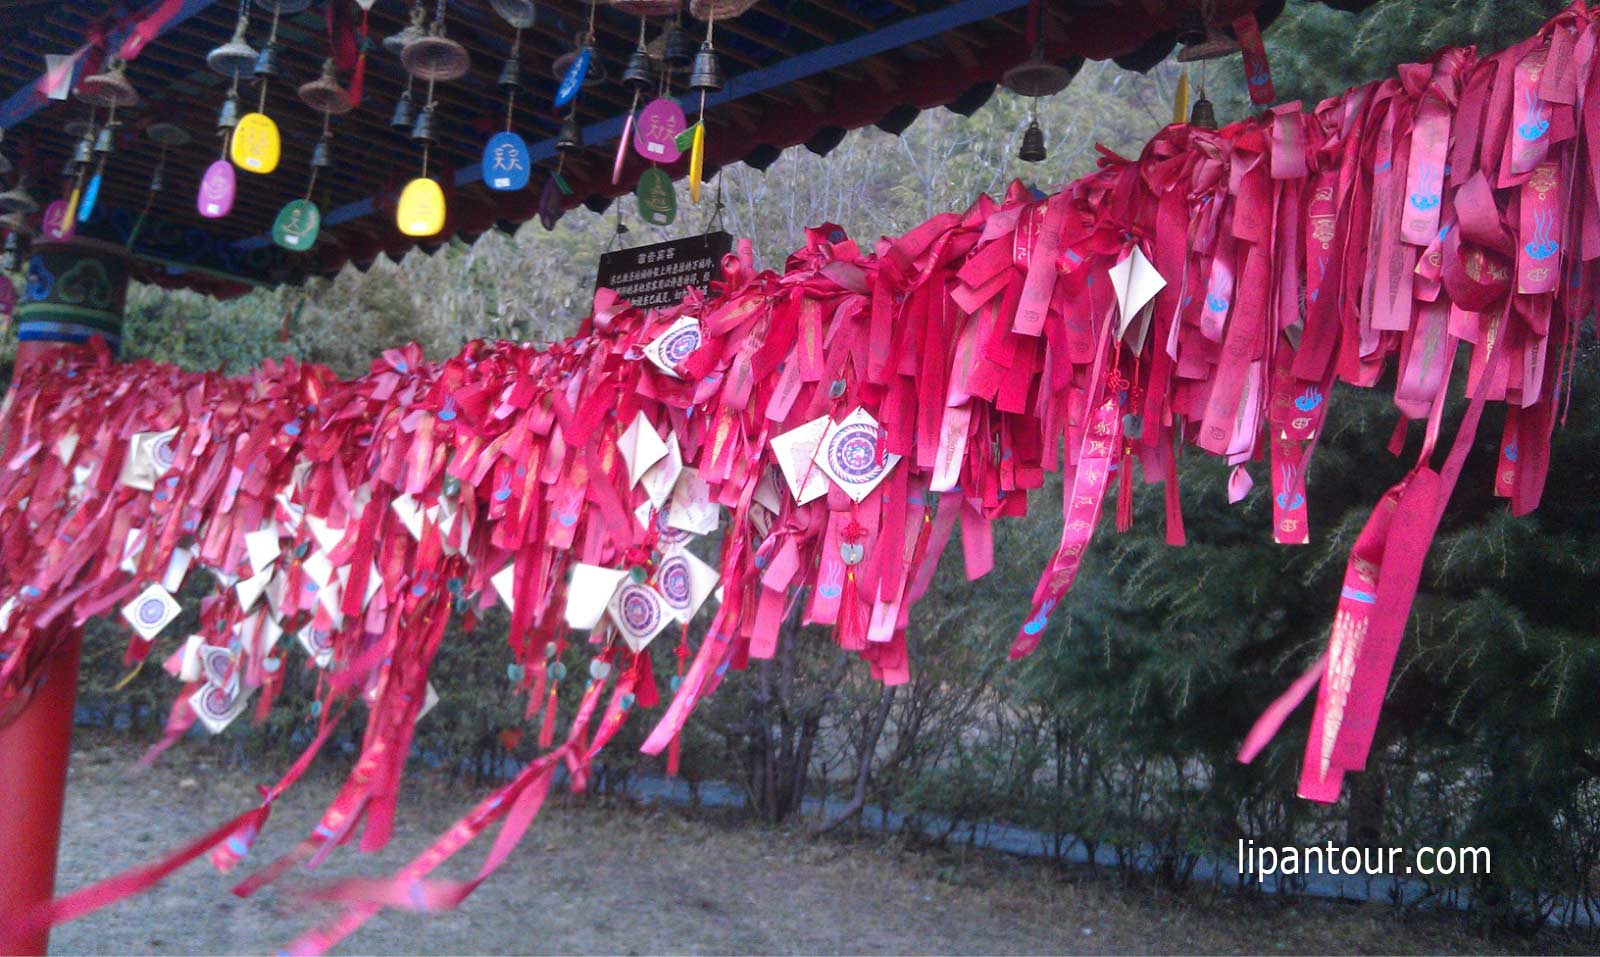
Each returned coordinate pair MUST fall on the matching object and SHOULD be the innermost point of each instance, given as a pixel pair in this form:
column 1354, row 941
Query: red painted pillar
column 75, row 291
column 33, row 778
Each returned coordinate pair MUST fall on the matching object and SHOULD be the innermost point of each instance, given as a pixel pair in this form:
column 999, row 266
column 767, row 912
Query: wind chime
column 705, row 76
column 572, row 69
column 1201, row 42
column 506, row 161
column 110, row 90
column 166, row 136
column 432, row 57
column 232, row 60
column 639, row 76
column 256, row 144
column 1036, row 78
column 16, row 205
column 405, row 108
column 299, row 221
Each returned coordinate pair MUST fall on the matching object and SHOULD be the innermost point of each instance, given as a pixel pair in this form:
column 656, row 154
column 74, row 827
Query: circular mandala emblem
column 639, row 612
column 681, row 344
column 151, row 610
column 163, row 453
column 216, row 701
column 853, row 453
column 666, row 534
column 673, row 580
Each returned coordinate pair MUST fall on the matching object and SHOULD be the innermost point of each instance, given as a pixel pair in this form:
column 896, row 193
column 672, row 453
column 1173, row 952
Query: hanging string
column 511, row 96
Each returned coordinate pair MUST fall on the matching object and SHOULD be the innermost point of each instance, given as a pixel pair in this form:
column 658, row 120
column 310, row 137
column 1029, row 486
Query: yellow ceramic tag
column 1180, row 98
column 255, row 144
column 421, row 211
column 697, row 160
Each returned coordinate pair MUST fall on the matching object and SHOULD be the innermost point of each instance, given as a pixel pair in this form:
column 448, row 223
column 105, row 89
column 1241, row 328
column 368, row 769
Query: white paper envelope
column 692, row 509
column 503, row 582
column 640, row 613
column 685, row 582
column 263, row 548
column 641, row 447
column 659, row 480
column 680, row 341
column 588, row 592
column 796, row 451
column 177, row 568
column 850, row 455
column 152, row 611
column 327, row 538
column 251, row 588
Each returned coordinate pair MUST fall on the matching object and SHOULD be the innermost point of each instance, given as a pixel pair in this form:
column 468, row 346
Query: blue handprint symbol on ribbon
column 1537, row 124
column 1309, row 400
column 1041, row 618
column 1511, row 452
column 1216, row 303
column 1289, row 498
column 1543, row 245
column 1429, row 179
column 448, row 413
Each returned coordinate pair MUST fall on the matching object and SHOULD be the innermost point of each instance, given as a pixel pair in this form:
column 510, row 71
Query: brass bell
column 1191, row 27
column 104, row 141
column 571, row 136
column 15, row 248
column 1203, row 117
column 324, row 94
column 322, row 154
column 1032, row 143
column 706, row 74
column 422, row 132
column 17, row 199
column 267, row 62
column 84, row 151
column 511, row 74
column 435, row 57
column 640, row 74
column 405, row 113
column 234, row 58
column 108, row 88
column 5, row 162
column 680, row 47
column 228, row 118
column 16, row 224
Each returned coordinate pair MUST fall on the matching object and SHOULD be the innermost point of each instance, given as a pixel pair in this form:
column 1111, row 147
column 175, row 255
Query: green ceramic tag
column 297, row 225
column 561, row 183
column 658, row 202
column 683, row 141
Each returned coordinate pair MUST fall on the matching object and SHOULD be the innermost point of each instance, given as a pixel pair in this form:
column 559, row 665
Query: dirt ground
column 623, row 880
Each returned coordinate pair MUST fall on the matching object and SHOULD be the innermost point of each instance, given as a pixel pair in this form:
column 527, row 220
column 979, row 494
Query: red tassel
column 358, row 79
column 547, row 728
column 852, row 630
column 1125, row 492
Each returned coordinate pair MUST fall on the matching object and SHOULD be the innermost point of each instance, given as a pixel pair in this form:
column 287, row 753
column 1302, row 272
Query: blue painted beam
column 821, row 60
column 23, row 103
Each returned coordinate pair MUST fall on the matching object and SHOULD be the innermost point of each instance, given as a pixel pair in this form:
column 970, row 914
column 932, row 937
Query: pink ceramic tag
column 216, row 190
column 659, row 125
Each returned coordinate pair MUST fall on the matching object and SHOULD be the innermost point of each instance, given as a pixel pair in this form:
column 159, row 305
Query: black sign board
column 657, row 275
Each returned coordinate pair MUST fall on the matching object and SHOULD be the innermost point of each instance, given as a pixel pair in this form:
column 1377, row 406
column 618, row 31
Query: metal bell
column 84, row 151
column 405, row 113
column 571, row 136
column 640, row 74
column 521, row 14
column 511, row 74
column 1032, row 143
column 267, row 61
column 17, row 199
column 17, row 225
column 234, row 58
column 435, row 57
column 322, row 154
column 108, row 88
column 228, row 118
column 11, row 255
column 422, row 132
column 1203, row 117
column 324, row 94
column 104, row 141
column 1191, row 27
column 679, row 49
column 706, row 74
